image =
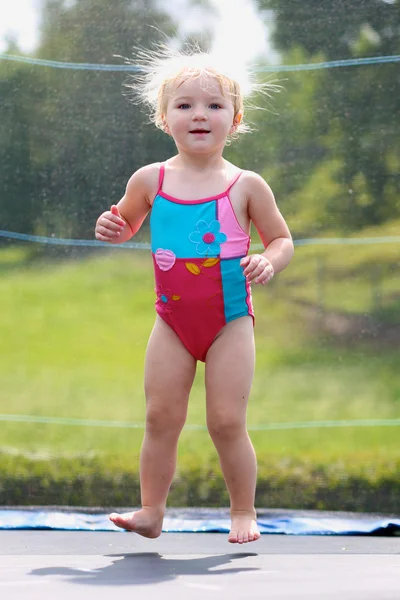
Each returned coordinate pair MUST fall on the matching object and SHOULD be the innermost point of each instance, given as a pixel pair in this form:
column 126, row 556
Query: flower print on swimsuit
column 208, row 237
column 165, row 296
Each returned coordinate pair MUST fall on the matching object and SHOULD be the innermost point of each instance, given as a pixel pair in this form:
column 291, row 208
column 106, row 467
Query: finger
column 102, row 238
column 107, row 232
column 266, row 276
column 115, row 213
column 253, row 264
column 110, row 224
column 245, row 261
column 266, row 280
column 259, row 269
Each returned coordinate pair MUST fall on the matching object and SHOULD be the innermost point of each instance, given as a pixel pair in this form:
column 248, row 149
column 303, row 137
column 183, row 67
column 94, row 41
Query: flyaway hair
column 164, row 66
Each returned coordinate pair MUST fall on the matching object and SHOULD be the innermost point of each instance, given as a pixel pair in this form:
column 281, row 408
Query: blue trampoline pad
column 203, row 521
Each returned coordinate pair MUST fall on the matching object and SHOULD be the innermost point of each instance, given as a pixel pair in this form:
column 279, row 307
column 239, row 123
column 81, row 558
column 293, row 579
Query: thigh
column 169, row 373
column 230, row 371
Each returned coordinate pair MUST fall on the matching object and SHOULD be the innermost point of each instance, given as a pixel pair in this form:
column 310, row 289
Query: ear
column 236, row 121
column 165, row 125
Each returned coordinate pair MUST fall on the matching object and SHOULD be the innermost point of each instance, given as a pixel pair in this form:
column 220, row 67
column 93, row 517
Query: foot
column 243, row 527
column 146, row 522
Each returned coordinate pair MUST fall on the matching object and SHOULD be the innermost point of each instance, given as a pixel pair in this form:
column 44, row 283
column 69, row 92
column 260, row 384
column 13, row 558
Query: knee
column 164, row 420
column 225, row 426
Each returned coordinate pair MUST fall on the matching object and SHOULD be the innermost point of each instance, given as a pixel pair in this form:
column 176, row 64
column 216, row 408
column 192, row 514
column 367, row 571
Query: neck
column 198, row 162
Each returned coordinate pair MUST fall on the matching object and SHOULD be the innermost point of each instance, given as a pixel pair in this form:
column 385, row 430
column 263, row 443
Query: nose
column 199, row 114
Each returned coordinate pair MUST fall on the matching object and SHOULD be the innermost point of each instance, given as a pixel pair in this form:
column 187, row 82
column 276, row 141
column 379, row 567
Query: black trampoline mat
column 82, row 565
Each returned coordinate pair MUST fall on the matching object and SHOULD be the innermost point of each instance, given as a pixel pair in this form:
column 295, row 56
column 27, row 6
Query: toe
column 123, row 521
column 233, row 537
column 114, row 517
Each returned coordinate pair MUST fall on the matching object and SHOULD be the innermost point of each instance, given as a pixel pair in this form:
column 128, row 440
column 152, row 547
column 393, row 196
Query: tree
column 91, row 138
column 288, row 144
column 356, row 106
column 20, row 95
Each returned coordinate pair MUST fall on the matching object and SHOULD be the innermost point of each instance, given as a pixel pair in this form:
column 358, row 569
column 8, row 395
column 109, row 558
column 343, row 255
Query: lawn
column 73, row 334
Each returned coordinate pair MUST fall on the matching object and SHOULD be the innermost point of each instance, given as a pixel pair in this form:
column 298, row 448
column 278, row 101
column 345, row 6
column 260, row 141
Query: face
column 199, row 116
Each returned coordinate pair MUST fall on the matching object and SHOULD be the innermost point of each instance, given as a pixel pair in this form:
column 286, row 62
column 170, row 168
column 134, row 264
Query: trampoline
column 328, row 147
column 43, row 557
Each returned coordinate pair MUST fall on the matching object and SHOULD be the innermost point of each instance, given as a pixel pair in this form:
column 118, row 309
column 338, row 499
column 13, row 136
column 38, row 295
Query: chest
column 207, row 227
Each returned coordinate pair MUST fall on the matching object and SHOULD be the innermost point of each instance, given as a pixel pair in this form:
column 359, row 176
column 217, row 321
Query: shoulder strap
column 161, row 177
column 234, row 180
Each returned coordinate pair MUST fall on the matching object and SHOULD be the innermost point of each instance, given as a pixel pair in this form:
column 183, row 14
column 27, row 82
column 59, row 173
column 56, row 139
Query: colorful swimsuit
column 197, row 246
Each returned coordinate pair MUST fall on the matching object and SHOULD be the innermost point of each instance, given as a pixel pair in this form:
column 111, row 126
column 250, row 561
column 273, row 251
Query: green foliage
column 73, row 334
column 354, row 109
column 72, row 340
column 318, row 24
column 288, row 145
column 20, row 97
column 294, row 485
column 97, row 138
column 69, row 140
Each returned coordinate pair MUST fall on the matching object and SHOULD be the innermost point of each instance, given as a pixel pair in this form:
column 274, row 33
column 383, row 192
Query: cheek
column 178, row 117
column 225, row 122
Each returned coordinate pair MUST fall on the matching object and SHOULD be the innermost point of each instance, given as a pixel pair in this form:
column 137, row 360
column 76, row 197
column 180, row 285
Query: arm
column 123, row 220
column 273, row 230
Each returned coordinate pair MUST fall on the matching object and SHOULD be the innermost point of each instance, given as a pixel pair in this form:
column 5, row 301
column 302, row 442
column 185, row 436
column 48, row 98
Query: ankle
column 244, row 512
column 156, row 511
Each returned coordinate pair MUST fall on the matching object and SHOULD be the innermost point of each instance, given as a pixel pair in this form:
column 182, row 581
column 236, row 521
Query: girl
column 201, row 210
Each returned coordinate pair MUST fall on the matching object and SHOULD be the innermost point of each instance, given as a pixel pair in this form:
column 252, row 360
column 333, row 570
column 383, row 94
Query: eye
column 184, row 106
column 215, row 106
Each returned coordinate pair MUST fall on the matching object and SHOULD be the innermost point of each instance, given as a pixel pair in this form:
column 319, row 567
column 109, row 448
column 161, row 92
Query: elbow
column 289, row 244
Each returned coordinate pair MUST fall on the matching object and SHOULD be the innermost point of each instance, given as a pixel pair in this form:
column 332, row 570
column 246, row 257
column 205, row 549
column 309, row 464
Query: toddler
column 201, row 209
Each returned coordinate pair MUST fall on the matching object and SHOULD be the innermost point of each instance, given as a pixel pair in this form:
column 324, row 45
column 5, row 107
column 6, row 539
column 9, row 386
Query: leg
column 229, row 375
column 169, row 374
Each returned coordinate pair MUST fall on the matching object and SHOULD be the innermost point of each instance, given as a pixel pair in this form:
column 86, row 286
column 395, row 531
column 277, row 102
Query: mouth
column 199, row 131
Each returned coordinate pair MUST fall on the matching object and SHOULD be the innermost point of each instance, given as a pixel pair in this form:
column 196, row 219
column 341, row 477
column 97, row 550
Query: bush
column 293, row 485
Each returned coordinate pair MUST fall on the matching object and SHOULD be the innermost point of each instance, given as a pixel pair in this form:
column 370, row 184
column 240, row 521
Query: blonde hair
column 165, row 66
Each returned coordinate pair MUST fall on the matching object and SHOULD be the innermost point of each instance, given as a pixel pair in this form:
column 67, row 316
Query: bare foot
column 146, row 522
column 243, row 527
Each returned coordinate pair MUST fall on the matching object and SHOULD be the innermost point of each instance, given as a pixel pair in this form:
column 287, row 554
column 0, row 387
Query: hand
column 109, row 225
column 258, row 268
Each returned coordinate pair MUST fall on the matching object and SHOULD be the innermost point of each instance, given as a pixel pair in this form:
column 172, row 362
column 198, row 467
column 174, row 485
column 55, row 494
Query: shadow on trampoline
column 146, row 568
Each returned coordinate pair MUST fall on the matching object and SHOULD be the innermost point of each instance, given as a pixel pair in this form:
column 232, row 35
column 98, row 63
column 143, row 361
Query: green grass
column 352, row 278
column 73, row 335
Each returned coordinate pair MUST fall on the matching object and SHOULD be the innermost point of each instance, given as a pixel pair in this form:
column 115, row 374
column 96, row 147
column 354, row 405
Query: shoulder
column 256, row 186
column 256, row 192
column 145, row 180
